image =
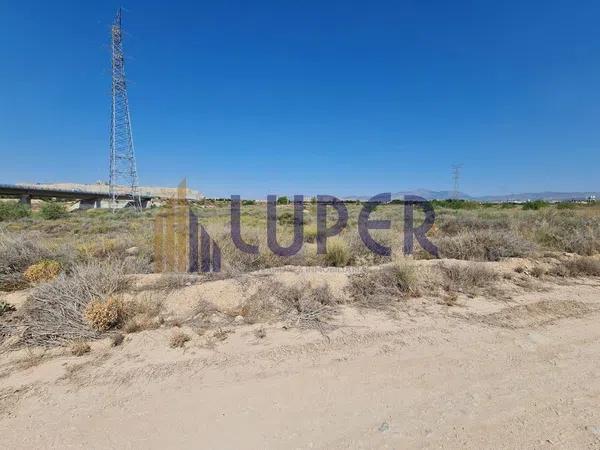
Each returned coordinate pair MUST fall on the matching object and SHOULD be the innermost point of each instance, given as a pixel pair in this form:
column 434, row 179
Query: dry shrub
column 467, row 278
column 17, row 252
column 221, row 334
column 308, row 307
column 116, row 339
column 142, row 314
column 54, row 312
column 338, row 253
column 178, row 339
column 174, row 281
column 484, row 245
column 103, row 248
column 200, row 319
column 104, row 314
column 45, row 270
column 583, row 266
column 382, row 287
column 260, row 333
column 303, row 306
column 138, row 264
column 538, row 271
column 80, row 347
column 568, row 232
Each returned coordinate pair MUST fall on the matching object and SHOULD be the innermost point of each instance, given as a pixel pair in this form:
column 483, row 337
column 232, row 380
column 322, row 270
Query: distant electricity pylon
column 456, row 179
column 123, row 168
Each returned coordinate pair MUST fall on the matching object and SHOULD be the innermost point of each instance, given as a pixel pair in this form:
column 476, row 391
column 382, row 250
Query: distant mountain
column 548, row 196
column 444, row 195
column 424, row 193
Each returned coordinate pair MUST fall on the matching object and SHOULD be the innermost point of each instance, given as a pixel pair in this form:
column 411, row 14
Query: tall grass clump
column 338, row 253
column 578, row 267
column 467, row 277
column 382, row 287
column 484, row 245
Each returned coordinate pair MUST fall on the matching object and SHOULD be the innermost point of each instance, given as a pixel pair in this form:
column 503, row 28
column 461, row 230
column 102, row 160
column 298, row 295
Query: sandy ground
column 522, row 372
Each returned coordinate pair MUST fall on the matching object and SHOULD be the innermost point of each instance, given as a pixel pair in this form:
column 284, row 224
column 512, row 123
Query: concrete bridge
column 87, row 199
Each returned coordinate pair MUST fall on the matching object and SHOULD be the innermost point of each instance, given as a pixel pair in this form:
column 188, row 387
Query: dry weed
column 45, row 270
column 116, row 339
column 178, row 339
column 302, row 306
column 467, row 278
column 80, row 348
column 104, row 314
column 260, row 333
column 382, row 287
column 54, row 313
column 143, row 313
column 579, row 267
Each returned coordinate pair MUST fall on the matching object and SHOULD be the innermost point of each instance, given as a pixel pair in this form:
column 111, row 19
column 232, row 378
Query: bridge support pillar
column 25, row 200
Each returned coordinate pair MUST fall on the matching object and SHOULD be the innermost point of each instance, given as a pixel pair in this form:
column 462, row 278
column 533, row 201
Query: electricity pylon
column 123, row 168
column 456, row 179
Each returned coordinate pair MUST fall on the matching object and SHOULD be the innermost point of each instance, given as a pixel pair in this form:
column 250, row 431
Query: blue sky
column 331, row 97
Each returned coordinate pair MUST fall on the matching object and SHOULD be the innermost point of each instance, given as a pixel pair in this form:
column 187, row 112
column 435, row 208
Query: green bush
column 565, row 205
column 283, row 200
column 535, row 205
column 286, row 218
column 455, row 204
column 13, row 211
column 53, row 211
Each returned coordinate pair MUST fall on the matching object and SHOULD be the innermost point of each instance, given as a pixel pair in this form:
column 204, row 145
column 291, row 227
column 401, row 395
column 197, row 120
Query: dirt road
column 508, row 376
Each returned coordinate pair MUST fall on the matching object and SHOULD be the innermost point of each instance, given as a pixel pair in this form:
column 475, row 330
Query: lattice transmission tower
column 123, row 170
column 456, row 180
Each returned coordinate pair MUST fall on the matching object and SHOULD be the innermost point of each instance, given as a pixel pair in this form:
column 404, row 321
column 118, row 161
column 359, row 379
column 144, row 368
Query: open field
column 495, row 345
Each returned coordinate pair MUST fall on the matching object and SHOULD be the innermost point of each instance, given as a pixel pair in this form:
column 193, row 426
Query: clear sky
column 332, row 97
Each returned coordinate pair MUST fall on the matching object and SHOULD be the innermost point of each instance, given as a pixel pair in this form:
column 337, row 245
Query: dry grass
column 173, row 281
column 338, row 253
column 116, row 339
column 383, row 287
column 484, row 245
column 178, row 339
column 221, row 334
column 31, row 359
column 301, row 306
column 17, row 252
column 578, row 267
column 260, row 333
column 143, row 313
column 538, row 271
column 79, row 348
column 467, row 278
